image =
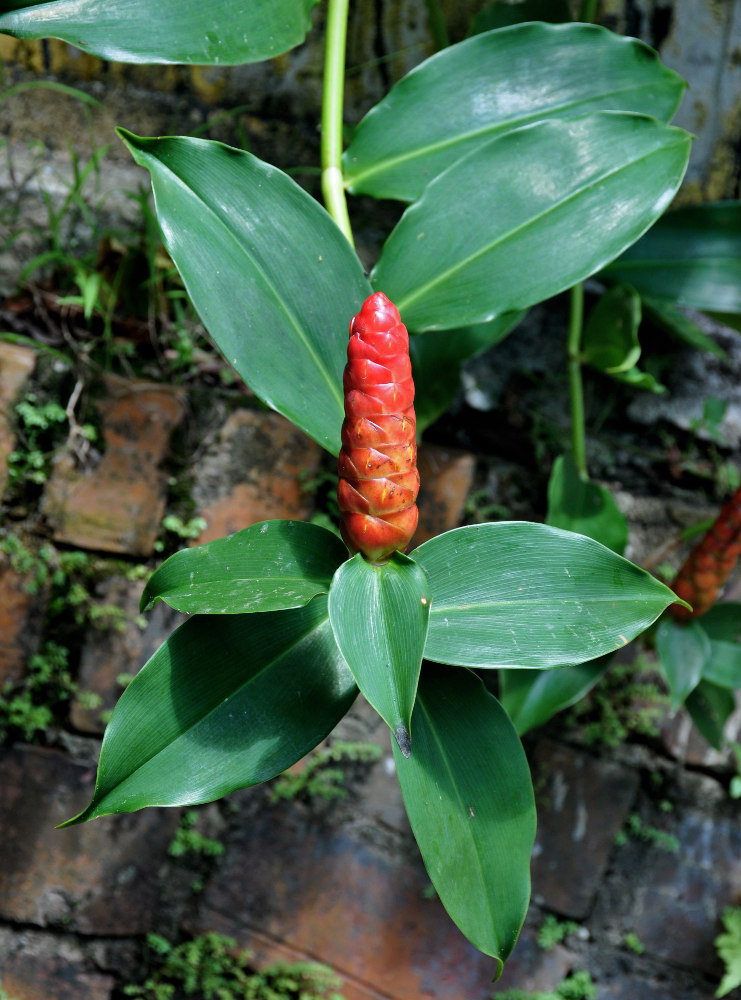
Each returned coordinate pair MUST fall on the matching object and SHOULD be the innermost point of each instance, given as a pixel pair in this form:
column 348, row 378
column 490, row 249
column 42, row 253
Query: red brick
column 582, row 803
column 97, row 878
column 16, row 364
column 110, row 652
column 119, row 505
column 253, row 471
column 446, row 478
column 21, row 615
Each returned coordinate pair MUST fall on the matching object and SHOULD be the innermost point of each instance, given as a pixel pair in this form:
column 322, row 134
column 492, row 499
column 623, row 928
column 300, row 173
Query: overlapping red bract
column 710, row 563
column 379, row 481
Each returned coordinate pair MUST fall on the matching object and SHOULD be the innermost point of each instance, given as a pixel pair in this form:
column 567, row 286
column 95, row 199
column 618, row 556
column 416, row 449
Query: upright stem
column 332, row 101
column 576, row 392
column 438, row 27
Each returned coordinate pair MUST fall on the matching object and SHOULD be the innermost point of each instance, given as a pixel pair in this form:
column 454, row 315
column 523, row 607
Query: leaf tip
column 403, row 738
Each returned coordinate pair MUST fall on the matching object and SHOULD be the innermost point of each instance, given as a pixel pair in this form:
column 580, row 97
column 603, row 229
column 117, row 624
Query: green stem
column 332, row 100
column 588, row 11
column 438, row 27
column 576, row 391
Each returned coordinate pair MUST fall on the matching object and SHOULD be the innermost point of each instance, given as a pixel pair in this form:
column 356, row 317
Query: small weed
column 728, row 946
column 211, row 968
column 189, row 841
column 317, row 779
column 553, row 931
column 713, row 412
column 479, row 508
column 636, row 829
column 626, row 701
column 38, row 429
column 176, row 527
column 633, row 943
column 577, row 986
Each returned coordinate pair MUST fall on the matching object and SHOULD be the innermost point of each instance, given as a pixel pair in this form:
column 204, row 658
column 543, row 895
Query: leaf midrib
column 445, row 276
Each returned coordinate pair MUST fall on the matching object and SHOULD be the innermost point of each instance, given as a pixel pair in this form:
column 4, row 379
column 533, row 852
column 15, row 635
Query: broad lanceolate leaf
column 269, row 566
column 585, row 507
column 227, row 701
column 723, row 665
column 710, row 706
column 493, row 83
column 683, row 651
column 723, row 622
column 379, row 616
column 469, row 796
column 531, row 697
column 610, row 340
column 670, row 318
column 517, row 594
column 527, row 215
column 692, row 256
column 271, row 275
column 436, row 362
column 168, row 31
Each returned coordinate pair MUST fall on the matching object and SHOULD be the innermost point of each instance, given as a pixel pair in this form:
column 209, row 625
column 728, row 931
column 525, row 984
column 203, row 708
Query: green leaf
column 672, row 320
column 379, row 616
column 709, row 707
column 531, row 697
column 637, row 379
column 493, row 83
column 272, row 277
column 723, row 665
column 723, row 621
column 221, row 32
column 469, row 796
column 610, row 340
column 692, row 256
column 500, row 14
column 517, row 594
column 269, row 566
column 527, row 215
column 580, row 505
column 728, row 946
column 683, row 650
column 227, row 701
column 437, row 357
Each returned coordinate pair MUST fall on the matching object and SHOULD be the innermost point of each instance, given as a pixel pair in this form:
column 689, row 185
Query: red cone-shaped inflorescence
column 710, row 563
column 379, row 481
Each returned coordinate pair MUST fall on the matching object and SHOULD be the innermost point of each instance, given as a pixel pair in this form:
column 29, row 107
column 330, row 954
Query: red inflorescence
column 710, row 563
column 379, row 481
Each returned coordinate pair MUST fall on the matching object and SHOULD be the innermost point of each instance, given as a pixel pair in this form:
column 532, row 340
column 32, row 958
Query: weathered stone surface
column 672, row 901
column 16, row 364
column 98, row 878
column 118, row 507
column 446, row 477
column 320, row 893
column 582, row 802
column 114, row 651
column 21, row 614
column 43, row 967
column 253, row 471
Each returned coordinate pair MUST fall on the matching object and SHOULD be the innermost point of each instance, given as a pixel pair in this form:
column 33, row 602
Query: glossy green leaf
column 610, row 340
column 723, row 665
column 220, row 32
column 710, row 707
column 469, row 796
column 683, row 649
column 527, row 215
column 493, row 83
column 273, row 278
column 227, row 701
column 723, row 621
column 692, row 257
column 518, row 594
column 637, row 379
column 500, row 14
column 671, row 319
column 379, row 616
column 532, row 697
column 437, row 358
column 580, row 505
column 269, row 566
